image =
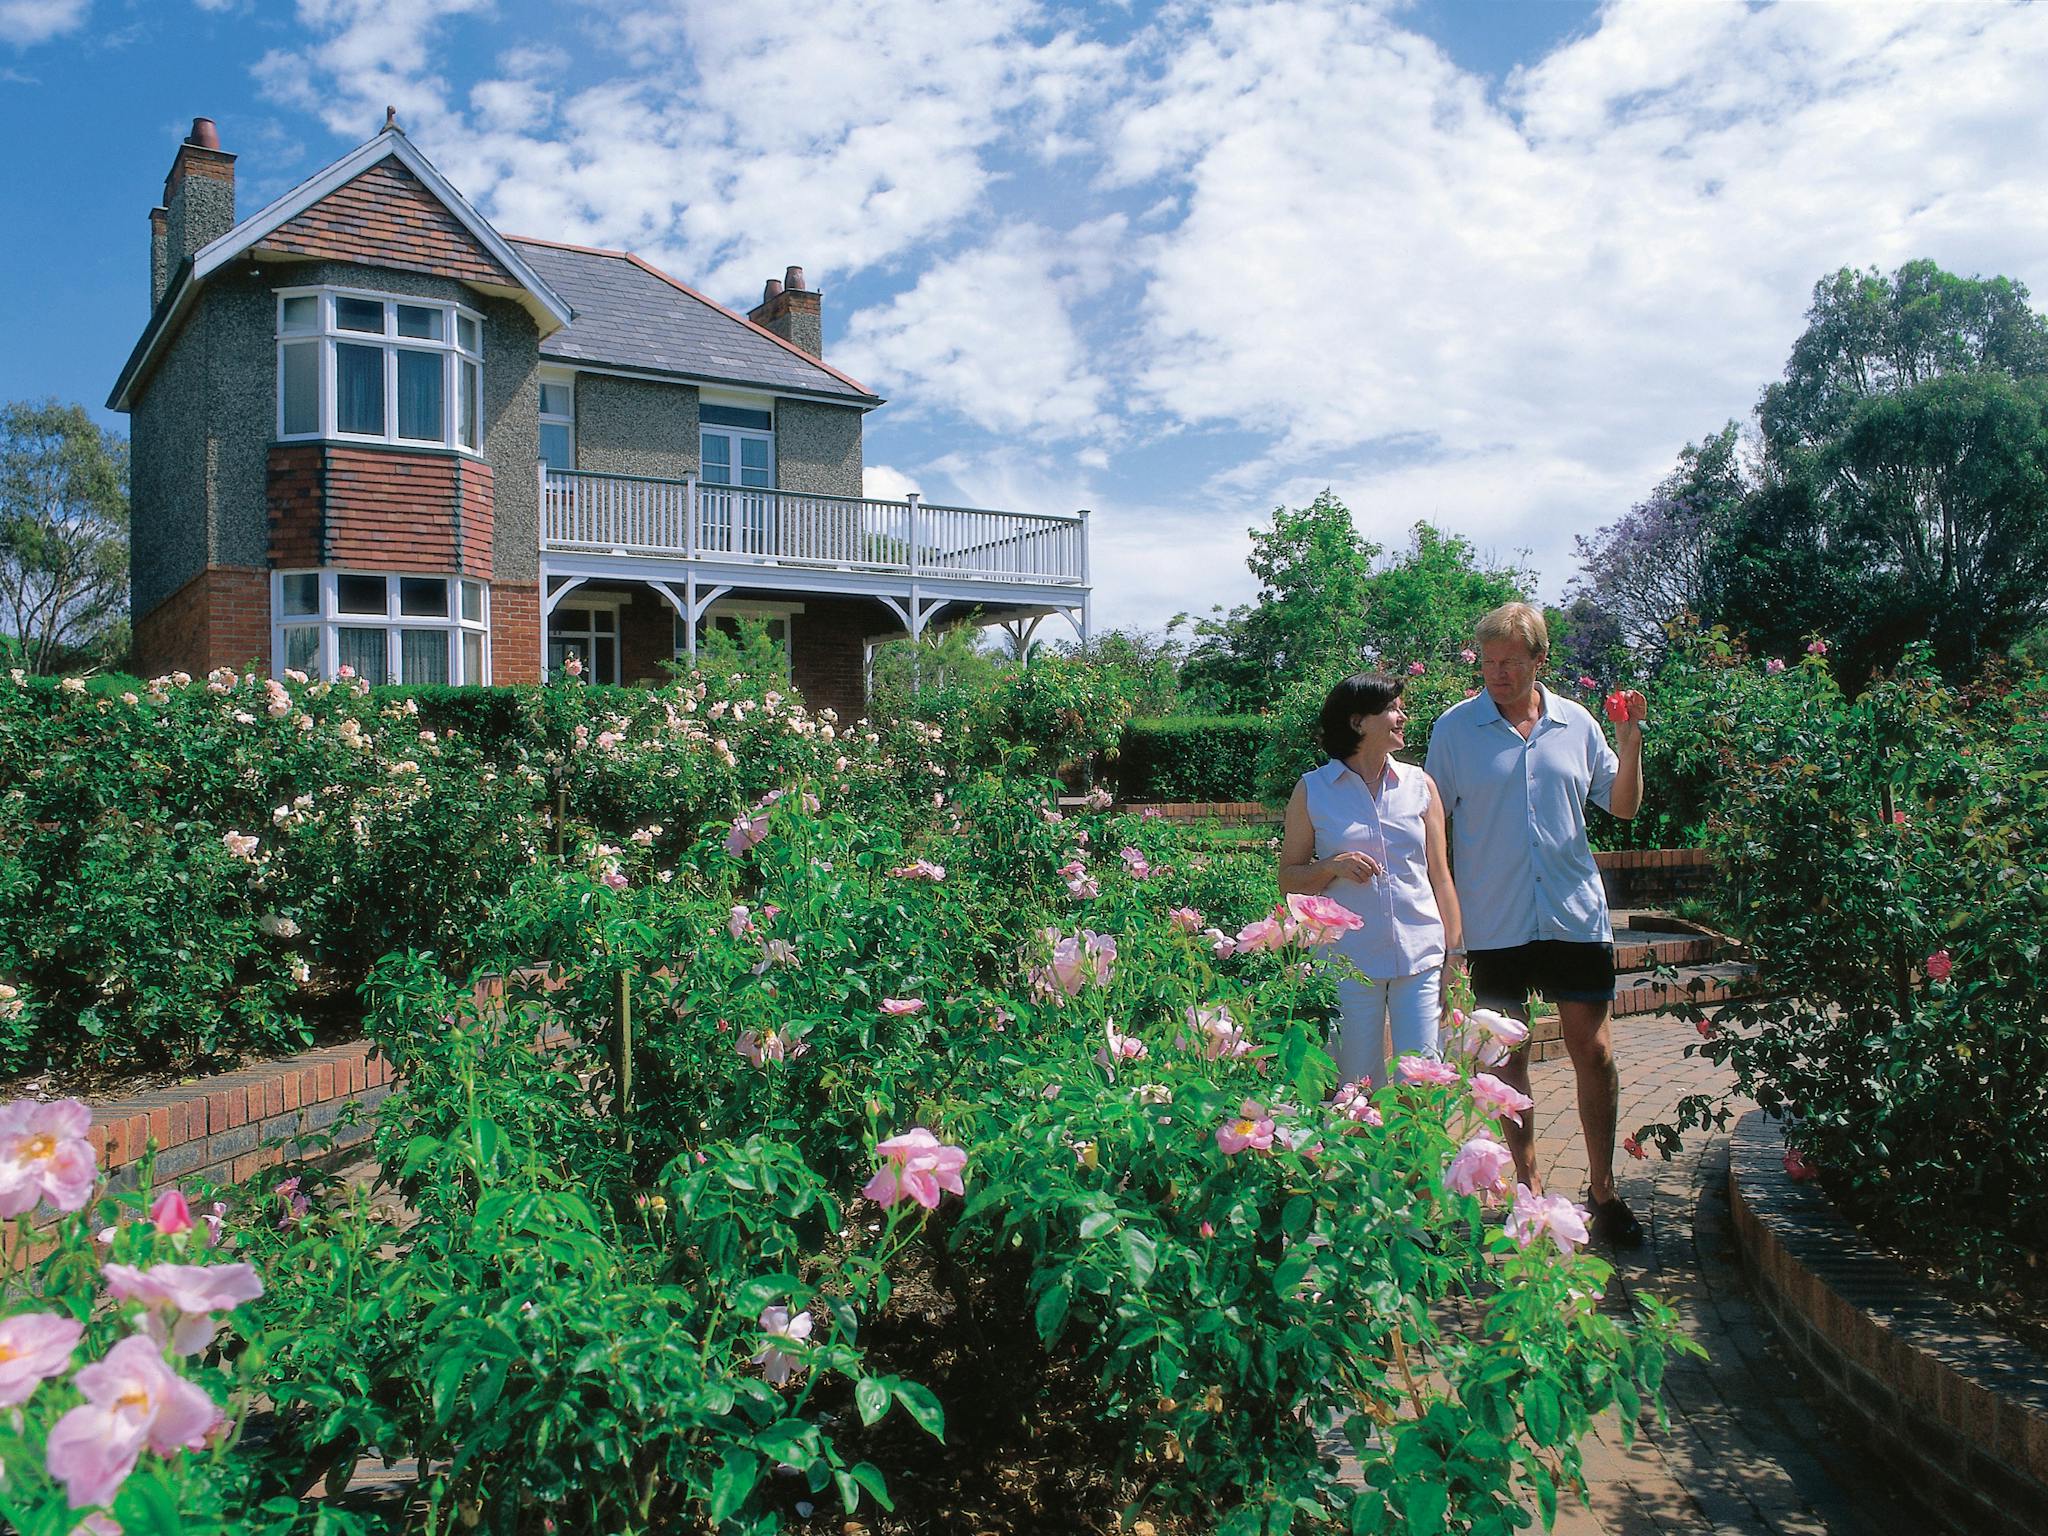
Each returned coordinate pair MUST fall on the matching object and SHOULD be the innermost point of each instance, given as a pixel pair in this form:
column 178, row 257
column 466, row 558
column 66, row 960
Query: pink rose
column 1773, row 667
column 1185, row 920
column 919, row 1165
column 1422, row 1069
column 1120, row 1047
column 133, row 1399
column 1218, row 1034
column 1417, row 668
column 1554, row 1216
column 1135, row 863
column 1319, row 920
column 1633, row 1147
column 779, row 1358
column 739, row 922
column 239, row 845
column 1266, row 934
column 44, row 1155
column 1495, row 1097
column 920, row 869
column 1481, row 1167
column 188, row 1295
column 746, row 832
column 1491, row 1036
column 1938, row 966
column 1252, row 1128
column 1354, row 1103
column 1468, row 655
column 170, row 1214
column 1817, row 648
column 901, row 1007
column 1797, row 1168
column 34, row 1346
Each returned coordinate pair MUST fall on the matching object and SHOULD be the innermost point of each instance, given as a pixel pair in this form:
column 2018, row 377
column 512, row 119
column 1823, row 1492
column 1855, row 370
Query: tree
column 1905, row 474
column 63, row 533
column 1655, row 562
column 1425, row 601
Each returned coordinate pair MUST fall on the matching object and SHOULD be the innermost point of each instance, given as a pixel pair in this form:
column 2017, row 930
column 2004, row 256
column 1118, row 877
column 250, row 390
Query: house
column 371, row 431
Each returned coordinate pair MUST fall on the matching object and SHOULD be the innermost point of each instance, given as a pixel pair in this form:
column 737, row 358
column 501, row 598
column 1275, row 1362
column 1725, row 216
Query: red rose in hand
column 1627, row 704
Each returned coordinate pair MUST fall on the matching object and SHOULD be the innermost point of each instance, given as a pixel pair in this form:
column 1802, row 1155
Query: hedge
column 1193, row 757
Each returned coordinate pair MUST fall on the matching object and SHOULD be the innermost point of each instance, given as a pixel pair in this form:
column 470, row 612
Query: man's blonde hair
column 1516, row 621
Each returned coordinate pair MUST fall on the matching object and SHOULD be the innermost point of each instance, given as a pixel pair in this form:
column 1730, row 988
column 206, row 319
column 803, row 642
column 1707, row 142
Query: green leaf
column 923, row 1407
column 869, row 1476
column 1051, row 1311
column 871, row 1397
column 732, row 1481
column 1424, row 1505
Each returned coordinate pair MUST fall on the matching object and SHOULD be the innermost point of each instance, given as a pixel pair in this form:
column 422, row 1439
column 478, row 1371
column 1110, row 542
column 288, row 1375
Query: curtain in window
column 302, row 388
column 359, row 389
column 302, row 649
column 419, row 395
column 363, row 650
column 424, row 655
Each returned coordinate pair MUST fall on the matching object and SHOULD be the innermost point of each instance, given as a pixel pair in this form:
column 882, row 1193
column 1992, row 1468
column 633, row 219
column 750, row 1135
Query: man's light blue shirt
column 1519, row 853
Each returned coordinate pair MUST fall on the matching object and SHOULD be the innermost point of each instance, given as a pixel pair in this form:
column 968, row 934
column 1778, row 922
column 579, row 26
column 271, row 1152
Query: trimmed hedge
column 1193, row 757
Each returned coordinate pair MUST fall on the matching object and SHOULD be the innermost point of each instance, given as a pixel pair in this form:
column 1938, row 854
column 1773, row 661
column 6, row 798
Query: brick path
column 1745, row 1451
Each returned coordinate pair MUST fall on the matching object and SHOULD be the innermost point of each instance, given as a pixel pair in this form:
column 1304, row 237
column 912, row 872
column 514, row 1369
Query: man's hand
column 1628, row 709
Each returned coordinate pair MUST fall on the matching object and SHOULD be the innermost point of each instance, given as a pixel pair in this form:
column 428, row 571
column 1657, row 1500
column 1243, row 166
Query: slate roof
column 631, row 315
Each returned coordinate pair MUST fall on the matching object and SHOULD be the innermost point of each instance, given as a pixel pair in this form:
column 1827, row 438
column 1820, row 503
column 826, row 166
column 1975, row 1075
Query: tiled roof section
column 386, row 218
column 629, row 315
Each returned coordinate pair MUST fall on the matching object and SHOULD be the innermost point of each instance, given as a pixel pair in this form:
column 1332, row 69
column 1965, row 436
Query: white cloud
column 24, row 23
column 989, row 334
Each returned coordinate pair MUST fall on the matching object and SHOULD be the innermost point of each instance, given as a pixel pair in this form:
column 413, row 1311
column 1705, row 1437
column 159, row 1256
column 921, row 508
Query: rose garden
column 772, row 1087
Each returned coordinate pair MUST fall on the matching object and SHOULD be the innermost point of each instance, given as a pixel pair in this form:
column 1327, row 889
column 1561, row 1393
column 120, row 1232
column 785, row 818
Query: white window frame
column 608, row 602
column 567, row 382
column 326, row 335
column 330, row 620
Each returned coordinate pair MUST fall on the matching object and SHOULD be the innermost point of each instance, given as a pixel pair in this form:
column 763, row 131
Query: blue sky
column 1487, row 262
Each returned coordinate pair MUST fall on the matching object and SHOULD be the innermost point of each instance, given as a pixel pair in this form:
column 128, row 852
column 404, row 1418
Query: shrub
column 1192, row 757
column 1883, row 861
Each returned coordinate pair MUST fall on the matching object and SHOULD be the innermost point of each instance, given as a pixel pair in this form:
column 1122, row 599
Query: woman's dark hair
column 1362, row 693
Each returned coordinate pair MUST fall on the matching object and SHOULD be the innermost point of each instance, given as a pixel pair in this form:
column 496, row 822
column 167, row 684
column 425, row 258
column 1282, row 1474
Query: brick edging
column 1961, row 1412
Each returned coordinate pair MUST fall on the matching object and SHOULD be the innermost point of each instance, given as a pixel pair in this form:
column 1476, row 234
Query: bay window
column 386, row 628
column 378, row 369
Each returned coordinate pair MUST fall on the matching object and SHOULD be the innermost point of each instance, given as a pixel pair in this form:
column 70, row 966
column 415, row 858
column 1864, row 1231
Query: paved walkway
column 1745, row 1450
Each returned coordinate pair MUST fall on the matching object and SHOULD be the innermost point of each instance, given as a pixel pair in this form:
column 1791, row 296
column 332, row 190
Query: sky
column 1489, row 263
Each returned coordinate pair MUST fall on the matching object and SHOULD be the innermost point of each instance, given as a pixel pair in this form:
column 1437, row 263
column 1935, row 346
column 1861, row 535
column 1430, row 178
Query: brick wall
column 515, row 632
column 1655, row 877
column 220, row 618
column 826, row 651
column 385, row 216
column 379, row 509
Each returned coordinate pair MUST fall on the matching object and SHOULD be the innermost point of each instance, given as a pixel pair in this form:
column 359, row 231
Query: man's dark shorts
column 1563, row 971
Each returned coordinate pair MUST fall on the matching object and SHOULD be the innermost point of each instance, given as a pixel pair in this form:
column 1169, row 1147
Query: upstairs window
column 368, row 368
column 558, row 423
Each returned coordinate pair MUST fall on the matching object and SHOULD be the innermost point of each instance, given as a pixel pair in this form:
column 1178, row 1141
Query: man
column 1516, row 765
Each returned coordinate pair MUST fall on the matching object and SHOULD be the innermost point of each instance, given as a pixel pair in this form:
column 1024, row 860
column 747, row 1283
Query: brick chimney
column 793, row 312
column 199, row 200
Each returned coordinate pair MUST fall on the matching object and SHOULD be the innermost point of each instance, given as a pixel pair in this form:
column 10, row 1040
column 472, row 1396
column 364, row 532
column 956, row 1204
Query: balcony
column 788, row 538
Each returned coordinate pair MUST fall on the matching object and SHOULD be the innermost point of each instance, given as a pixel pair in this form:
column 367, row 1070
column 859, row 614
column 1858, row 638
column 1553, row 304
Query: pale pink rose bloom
column 920, row 869
column 1267, row 933
column 1185, row 919
column 295, row 1204
column 44, row 1155
column 606, row 740
column 1320, row 920
column 133, row 1400
column 1468, row 656
column 239, row 844
column 1136, row 863
column 1497, row 1098
column 1119, row 1047
column 215, row 1220
column 97, row 1524
column 1221, row 944
column 612, row 877
column 1817, row 648
column 1068, row 970
column 775, row 952
column 1354, row 1103
column 778, row 1363
column 170, row 1214
column 746, row 832
column 190, row 1294
column 899, row 1007
column 1537, row 1215
column 1492, row 1036
column 739, row 922
column 810, row 802
column 1417, row 668
column 573, row 666
column 644, row 836
column 919, row 1165
column 1084, row 887
column 1218, row 1034
column 34, row 1346
column 1421, row 1069
column 1252, row 1128
column 1481, row 1167
column 760, row 1049
column 1098, row 799
column 1101, row 955
column 1773, row 667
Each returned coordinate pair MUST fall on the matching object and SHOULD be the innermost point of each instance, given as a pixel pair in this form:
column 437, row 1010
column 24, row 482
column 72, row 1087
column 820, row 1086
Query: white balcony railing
column 634, row 515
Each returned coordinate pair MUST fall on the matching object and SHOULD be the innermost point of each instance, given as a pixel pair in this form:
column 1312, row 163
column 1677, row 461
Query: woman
column 1368, row 832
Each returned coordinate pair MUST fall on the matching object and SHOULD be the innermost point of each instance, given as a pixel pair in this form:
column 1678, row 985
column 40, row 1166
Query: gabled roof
column 631, row 315
column 549, row 311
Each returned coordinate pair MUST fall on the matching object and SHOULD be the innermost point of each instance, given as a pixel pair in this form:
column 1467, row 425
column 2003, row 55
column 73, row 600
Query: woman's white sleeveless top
column 1404, row 931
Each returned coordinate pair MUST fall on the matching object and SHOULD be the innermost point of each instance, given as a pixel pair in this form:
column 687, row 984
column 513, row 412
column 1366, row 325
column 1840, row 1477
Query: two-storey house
column 371, row 432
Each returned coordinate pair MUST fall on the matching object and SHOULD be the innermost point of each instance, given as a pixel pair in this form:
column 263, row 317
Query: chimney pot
column 772, row 289
column 204, row 133
column 794, row 279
